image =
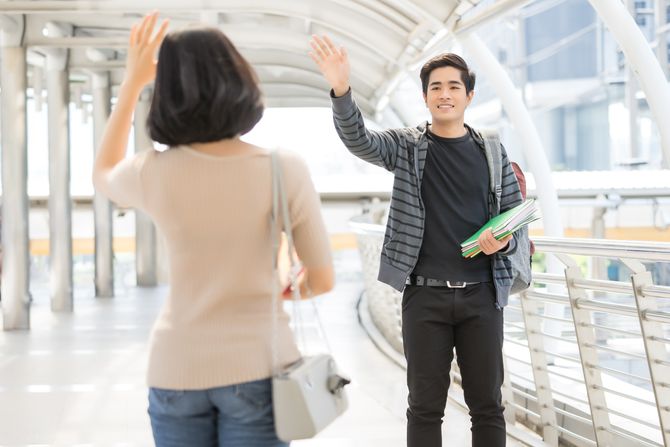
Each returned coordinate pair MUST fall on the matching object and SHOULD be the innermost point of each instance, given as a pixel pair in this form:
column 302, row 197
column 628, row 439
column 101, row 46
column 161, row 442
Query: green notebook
column 502, row 225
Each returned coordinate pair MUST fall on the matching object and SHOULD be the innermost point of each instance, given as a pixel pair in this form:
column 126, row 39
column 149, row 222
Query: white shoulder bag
column 308, row 394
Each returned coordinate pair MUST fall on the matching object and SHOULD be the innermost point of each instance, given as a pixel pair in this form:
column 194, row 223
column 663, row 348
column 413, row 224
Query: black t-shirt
column 455, row 193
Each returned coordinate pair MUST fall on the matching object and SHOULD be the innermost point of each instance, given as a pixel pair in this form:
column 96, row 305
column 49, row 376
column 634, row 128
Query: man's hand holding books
column 495, row 234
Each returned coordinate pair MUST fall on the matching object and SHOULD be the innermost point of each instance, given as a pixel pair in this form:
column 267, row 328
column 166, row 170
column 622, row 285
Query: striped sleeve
column 379, row 148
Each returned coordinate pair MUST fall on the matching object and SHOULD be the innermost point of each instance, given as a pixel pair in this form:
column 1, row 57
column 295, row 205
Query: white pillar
column 643, row 62
column 15, row 248
column 102, row 208
column 60, row 208
column 145, row 231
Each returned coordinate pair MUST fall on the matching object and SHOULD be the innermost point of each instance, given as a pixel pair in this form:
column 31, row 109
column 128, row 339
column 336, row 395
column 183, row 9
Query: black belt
column 417, row 280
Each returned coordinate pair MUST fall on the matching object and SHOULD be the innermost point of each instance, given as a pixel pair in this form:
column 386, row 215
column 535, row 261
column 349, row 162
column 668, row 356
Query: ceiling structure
column 385, row 38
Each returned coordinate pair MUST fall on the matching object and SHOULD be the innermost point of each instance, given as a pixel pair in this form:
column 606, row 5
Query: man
column 440, row 198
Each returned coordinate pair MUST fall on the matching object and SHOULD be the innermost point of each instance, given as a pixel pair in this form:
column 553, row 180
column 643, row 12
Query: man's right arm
column 379, row 148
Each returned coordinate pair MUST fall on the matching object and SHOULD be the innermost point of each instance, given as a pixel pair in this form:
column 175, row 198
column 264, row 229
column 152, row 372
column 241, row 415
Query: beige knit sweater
column 214, row 213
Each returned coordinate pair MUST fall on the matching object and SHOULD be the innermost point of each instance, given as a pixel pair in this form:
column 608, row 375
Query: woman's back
column 214, row 214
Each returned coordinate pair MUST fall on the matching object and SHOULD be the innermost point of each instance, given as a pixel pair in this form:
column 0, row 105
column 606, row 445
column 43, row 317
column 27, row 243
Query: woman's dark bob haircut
column 204, row 91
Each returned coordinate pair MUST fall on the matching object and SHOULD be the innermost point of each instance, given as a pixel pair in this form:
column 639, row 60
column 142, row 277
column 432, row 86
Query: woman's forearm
column 115, row 136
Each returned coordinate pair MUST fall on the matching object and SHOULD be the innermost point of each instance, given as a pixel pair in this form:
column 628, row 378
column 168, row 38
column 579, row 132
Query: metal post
column 15, row 248
column 660, row 16
column 598, row 231
column 657, row 356
column 630, row 99
column 507, row 391
column 60, row 208
column 586, row 339
column 102, row 208
column 145, row 232
column 538, row 360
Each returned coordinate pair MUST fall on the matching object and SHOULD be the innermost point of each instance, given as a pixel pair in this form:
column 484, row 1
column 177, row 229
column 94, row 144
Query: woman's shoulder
column 291, row 160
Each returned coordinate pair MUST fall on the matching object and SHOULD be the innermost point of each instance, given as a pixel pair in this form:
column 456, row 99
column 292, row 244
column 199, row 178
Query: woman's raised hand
column 333, row 63
column 141, row 61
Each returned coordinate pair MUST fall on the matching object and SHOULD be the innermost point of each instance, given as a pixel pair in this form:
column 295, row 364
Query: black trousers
column 435, row 320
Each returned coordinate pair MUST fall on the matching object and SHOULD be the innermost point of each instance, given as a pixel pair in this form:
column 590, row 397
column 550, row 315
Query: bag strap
column 494, row 159
column 280, row 205
column 275, row 266
column 294, row 264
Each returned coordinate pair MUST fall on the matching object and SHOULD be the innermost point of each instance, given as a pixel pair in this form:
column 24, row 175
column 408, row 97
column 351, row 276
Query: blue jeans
column 231, row 416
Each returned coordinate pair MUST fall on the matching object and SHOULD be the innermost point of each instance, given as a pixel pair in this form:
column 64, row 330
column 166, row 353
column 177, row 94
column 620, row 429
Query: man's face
column 446, row 98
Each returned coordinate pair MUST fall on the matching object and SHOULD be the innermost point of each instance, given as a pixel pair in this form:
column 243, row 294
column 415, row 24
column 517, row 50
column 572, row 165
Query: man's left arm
column 510, row 197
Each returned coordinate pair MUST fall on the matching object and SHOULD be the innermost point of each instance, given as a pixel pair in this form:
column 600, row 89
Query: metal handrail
column 647, row 251
column 573, row 416
column 544, row 339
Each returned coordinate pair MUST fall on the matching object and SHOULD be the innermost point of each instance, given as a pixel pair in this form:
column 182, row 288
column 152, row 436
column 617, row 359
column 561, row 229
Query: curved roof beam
column 283, row 72
column 257, row 7
column 246, row 32
column 270, row 65
column 267, row 72
column 371, row 9
column 288, row 90
column 297, row 101
column 365, row 64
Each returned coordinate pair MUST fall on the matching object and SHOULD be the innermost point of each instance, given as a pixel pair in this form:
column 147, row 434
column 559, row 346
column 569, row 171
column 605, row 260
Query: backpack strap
column 494, row 158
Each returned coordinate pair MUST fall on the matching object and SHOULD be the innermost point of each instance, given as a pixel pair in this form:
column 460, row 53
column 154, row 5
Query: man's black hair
column 448, row 60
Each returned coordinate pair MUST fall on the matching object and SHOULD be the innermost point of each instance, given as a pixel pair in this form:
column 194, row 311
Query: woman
column 210, row 195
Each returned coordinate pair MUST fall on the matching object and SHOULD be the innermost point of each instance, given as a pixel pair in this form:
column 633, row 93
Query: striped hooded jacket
column 403, row 151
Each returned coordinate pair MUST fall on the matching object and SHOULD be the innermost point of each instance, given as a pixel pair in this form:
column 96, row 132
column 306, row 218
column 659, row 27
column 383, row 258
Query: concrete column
column 102, row 208
column 15, row 249
column 145, row 231
column 60, row 208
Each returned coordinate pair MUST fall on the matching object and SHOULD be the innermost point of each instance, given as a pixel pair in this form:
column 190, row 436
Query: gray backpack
column 521, row 258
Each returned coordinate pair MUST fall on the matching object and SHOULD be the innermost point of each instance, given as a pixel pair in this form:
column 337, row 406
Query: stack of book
column 502, row 225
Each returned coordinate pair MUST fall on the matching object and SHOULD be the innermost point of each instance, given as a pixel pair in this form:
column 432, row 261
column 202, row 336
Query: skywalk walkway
column 78, row 379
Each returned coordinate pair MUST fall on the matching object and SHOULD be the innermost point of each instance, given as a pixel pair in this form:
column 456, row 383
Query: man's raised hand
column 333, row 63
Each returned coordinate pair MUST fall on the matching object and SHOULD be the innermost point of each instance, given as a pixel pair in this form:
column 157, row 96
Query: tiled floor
column 78, row 379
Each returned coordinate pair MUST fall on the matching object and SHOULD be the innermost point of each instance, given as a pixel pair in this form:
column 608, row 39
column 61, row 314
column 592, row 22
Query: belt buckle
column 460, row 286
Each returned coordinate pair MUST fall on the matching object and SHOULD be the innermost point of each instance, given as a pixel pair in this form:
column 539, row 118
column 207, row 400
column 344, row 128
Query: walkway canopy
column 385, row 38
